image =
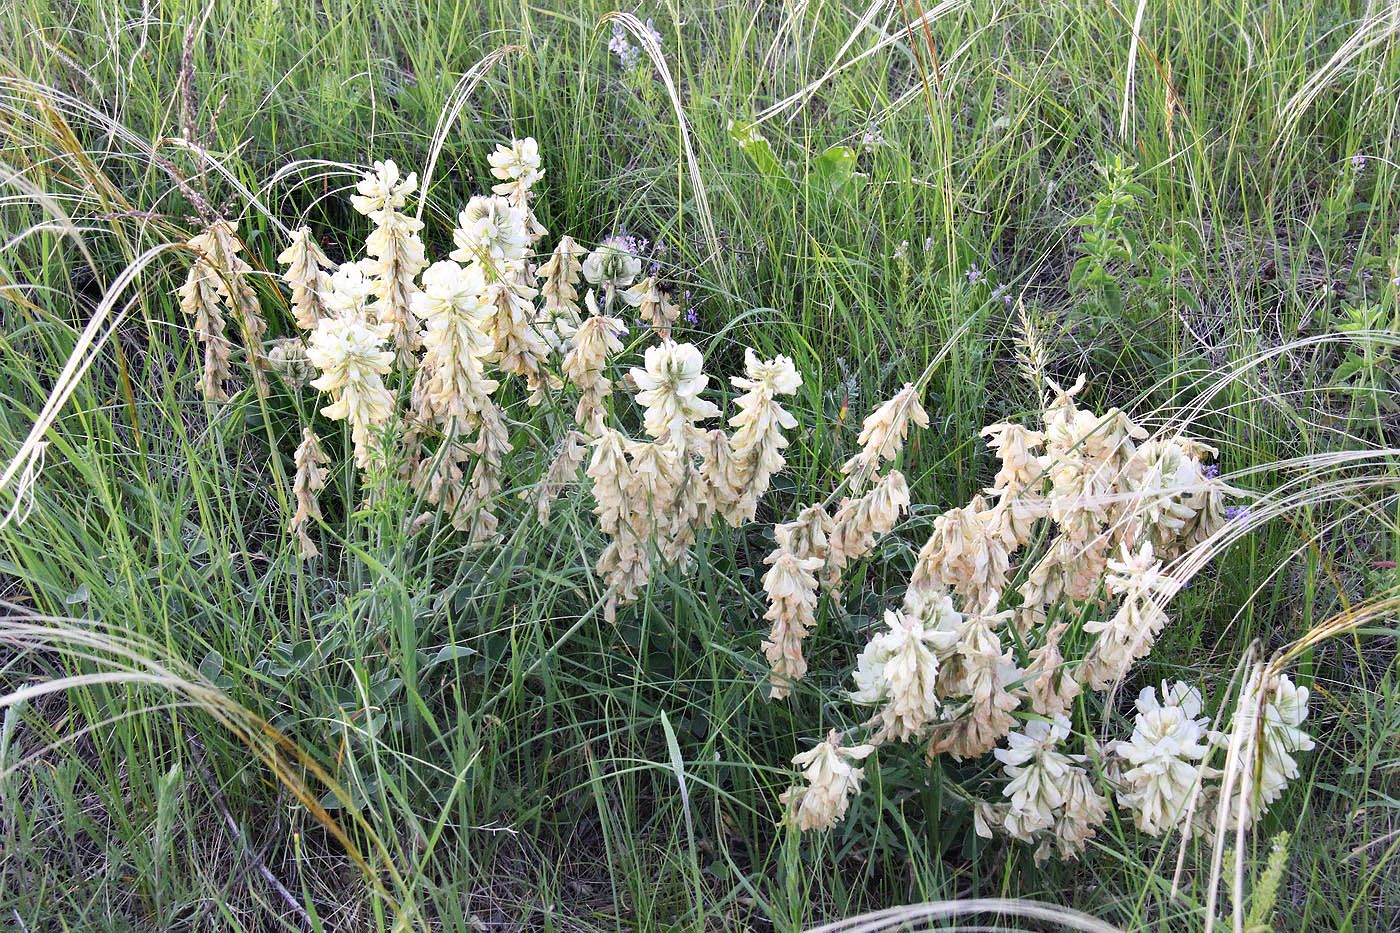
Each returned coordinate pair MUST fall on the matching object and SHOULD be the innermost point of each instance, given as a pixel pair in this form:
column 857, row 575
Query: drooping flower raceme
column 832, row 779
column 200, row 300
column 310, row 479
column 596, row 339
column 883, row 433
column 860, row 521
column 791, row 585
column 653, row 306
column 230, row 278
column 757, row 447
column 899, row 668
column 305, row 274
column 559, row 278
column 1130, row 632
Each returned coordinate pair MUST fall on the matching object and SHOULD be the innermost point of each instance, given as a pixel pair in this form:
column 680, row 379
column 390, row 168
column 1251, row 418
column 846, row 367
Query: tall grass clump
column 539, row 466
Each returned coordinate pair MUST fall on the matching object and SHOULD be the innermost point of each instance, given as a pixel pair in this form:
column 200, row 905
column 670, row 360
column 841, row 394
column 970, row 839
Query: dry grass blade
column 1035, row 913
column 648, row 42
column 128, row 661
column 1379, row 27
column 452, row 109
column 22, row 471
column 931, row 15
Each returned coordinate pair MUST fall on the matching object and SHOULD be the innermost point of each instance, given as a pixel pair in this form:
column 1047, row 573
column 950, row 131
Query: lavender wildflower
column 627, row 53
column 872, row 137
column 975, row 275
column 1236, row 512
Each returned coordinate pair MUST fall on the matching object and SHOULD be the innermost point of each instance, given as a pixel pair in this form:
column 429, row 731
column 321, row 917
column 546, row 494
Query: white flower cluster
column 653, row 496
column 447, row 334
column 1077, row 526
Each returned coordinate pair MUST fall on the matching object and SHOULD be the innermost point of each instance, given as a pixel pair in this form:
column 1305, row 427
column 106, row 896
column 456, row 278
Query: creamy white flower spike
column 832, row 779
column 305, row 274
column 653, row 306
column 1163, row 759
column 899, row 669
column 517, row 166
column 350, row 291
column 520, row 349
column 310, row 479
column 199, row 299
column 559, row 278
column 493, row 232
column 382, row 188
column 1130, row 632
column 883, row 433
column 452, row 385
column 978, row 673
column 1268, row 731
column 859, row 522
column 596, row 339
column 350, row 354
column 966, row 552
column 791, row 585
column 612, row 265
column 670, row 385
column 756, row 450
column 1039, row 775
column 221, row 248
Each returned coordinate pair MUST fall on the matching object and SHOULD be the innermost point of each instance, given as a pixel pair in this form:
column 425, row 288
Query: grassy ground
column 509, row 758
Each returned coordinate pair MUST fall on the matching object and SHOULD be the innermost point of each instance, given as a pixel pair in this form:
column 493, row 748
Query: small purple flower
column 618, row 43
column 1358, row 162
column 692, row 317
column 901, row 252
column 974, row 275
column 1210, row 471
column 627, row 53
column 872, row 137
column 1236, row 512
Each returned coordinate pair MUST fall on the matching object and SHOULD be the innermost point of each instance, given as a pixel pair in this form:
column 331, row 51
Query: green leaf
column 756, row 146
column 450, row 653
column 834, row 171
